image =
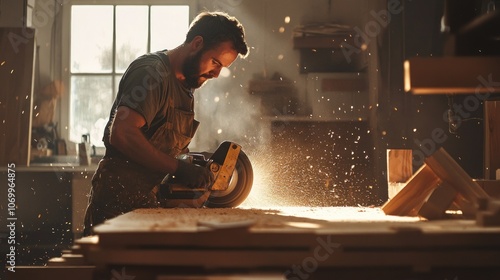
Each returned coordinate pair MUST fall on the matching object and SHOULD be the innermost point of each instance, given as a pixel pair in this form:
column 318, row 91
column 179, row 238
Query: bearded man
column 152, row 119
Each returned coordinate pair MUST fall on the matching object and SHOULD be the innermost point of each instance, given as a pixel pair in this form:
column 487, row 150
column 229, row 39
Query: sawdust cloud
column 310, row 165
column 282, row 178
column 307, row 165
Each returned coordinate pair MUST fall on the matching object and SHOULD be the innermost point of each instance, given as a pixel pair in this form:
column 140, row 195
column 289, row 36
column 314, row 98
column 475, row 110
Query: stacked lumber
column 439, row 185
column 71, row 265
column 242, row 244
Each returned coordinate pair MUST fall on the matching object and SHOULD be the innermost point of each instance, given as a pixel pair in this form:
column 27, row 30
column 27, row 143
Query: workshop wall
column 226, row 107
column 408, row 120
column 271, row 53
column 269, row 35
column 228, row 110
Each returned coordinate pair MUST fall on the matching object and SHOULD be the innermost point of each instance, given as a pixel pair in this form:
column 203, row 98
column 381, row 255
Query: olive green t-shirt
column 144, row 88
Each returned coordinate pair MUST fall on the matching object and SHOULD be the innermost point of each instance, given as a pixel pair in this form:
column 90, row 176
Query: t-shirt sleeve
column 142, row 88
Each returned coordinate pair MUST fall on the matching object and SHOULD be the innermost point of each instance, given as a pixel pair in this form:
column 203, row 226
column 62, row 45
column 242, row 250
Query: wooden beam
column 450, row 172
column 491, row 139
column 452, row 75
column 399, row 169
column 412, row 196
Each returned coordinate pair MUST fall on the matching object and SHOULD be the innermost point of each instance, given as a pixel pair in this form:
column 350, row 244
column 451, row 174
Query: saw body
column 233, row 178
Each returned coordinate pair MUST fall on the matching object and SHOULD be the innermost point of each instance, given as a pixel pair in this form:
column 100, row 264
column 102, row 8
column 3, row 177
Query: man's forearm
column 134, row 145
column 127, row 137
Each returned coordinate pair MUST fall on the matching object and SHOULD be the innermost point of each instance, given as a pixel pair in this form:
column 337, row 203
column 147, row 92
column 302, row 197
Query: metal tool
column 233, row 178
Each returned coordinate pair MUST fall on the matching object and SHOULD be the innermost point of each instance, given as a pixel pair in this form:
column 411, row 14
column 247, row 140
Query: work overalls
column 121, row 185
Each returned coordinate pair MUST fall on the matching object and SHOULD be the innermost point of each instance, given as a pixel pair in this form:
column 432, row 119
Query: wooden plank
column 366, row 236
column 183, row 225
column 234, row 238
column 175, row 238
column 16, row 97
column 399, row 165
column 411, row 197
column 446, row 75
column 448, row 170
column 251, row 259
column 162, row 229
column 491, row 138
column 399, row 169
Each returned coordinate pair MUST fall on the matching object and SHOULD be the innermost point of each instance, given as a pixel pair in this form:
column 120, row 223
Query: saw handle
column 191, row 175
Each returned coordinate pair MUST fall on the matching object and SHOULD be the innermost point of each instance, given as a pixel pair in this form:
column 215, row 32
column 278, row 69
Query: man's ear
column 196, row 44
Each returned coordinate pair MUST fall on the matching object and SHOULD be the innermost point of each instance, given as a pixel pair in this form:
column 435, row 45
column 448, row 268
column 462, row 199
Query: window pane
column 91, row 38
column 91, row 100
column 169, row 25
column 131, row 34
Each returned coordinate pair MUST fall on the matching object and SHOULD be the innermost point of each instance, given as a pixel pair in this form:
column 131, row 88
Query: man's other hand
column 193, row 175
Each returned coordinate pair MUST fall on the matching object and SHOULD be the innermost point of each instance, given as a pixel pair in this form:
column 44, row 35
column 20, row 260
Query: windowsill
column 55, row 167
column 59, row 164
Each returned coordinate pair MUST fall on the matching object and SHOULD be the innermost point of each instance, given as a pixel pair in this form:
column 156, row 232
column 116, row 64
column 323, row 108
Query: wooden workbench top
column 288, row 226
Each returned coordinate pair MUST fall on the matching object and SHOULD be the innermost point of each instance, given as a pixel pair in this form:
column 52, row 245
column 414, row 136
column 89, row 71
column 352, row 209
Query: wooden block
column 250, row 260
column 399, row 169
column 439, row 168
column 399, row 165
column 412, row 196
column 449, row 171
column 491, row 138
column 438, row 202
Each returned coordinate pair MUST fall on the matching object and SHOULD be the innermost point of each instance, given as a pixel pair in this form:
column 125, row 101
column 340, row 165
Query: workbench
column 279, row 243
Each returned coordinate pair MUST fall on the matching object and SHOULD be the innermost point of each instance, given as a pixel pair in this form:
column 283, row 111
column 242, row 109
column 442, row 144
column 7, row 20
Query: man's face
column 207, row 64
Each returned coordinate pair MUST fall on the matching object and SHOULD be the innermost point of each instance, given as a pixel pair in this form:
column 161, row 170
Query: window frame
column 65, row 101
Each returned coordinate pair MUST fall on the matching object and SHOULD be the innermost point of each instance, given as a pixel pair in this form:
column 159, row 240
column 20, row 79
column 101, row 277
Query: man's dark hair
column 216, row 28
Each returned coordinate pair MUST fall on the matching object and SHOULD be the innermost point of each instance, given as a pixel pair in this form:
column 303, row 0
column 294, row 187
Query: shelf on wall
column 452, row 75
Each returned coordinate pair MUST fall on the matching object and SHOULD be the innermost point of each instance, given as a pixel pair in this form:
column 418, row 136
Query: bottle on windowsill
column 84, row 150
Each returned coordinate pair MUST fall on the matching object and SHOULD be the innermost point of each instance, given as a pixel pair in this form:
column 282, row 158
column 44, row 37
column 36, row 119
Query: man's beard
column 191, row 70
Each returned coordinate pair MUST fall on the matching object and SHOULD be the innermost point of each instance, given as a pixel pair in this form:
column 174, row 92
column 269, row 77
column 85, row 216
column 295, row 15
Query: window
column 104, row 39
